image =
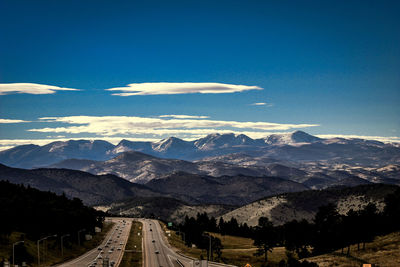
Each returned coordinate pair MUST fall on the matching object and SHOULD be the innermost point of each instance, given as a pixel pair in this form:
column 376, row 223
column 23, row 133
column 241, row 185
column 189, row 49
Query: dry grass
column 133, row 250
column 384, row 251
column 237, row 250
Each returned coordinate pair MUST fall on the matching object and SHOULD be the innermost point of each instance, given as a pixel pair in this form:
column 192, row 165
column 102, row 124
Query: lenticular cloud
column 31, row 88
column 164, row 88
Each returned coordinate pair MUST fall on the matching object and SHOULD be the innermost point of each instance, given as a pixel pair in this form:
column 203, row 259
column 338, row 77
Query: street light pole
column 38, row 250
column 62, row 249
column 79, row 238
column 38, row 247
column 209, row 249
column 16, row 243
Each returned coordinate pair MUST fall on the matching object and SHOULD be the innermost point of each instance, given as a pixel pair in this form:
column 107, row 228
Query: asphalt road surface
column 112, row 247
column 157, row 252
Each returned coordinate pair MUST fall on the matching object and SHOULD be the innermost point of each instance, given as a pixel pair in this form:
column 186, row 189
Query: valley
column 233, row 179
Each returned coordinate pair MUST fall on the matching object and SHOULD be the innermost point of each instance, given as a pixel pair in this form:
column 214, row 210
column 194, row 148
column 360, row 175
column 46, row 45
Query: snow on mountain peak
column 213, row 141
column 295, row 137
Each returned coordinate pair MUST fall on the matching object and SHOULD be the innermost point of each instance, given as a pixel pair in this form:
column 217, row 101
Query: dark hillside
column 92, row 189
column 37, row 213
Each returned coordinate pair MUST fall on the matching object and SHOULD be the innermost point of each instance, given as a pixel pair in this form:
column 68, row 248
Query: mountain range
column 92, row 189
column 299, row 157
column 142, row 168
column 296, row 146
column 191, row 188
column 181, row 194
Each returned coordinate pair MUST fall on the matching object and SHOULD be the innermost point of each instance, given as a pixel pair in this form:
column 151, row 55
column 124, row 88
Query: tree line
column 37, row 214
column 329, row 231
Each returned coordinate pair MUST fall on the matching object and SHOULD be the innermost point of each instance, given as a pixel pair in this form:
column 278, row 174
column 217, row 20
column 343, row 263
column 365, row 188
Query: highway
column 158, row 253
column 112, row 247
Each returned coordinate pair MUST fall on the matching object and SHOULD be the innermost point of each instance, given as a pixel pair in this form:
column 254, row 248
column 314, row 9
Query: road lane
column 113, row 246
column 158, row 253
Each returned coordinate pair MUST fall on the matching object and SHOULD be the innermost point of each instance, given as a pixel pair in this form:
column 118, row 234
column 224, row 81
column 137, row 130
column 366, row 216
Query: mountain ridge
column 296, row 145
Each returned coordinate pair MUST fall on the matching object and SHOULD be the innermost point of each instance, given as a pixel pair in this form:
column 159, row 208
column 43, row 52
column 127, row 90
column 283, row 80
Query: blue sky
column 325, row 67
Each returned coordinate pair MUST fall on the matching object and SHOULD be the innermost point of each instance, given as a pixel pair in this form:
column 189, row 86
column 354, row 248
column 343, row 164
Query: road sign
column 169, row 224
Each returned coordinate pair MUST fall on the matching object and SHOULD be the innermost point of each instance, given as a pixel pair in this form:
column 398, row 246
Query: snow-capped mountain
column 297, row 137
column 297, row 146
column 29, row 156
column 221, row 141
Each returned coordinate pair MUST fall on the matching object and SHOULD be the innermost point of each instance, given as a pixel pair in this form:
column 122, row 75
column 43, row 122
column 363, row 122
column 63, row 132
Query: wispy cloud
column 184, row 117
column 31, row 88
column 12, row 121
column 165, row 88
column 394, row 139
column 124, row 125
column 262, row 104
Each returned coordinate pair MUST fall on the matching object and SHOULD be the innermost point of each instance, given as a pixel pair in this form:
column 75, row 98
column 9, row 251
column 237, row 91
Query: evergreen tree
column 265, row 237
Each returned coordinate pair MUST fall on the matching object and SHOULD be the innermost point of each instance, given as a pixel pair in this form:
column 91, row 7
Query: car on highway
column 153, row 241
column 157, row 252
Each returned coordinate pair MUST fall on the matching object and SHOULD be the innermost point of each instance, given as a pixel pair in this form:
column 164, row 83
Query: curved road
column 157, row 252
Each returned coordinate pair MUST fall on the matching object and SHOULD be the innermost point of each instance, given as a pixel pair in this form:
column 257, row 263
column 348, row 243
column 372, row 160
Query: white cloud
column 385, row 139
column 124, row 125
column 11, row 121
column 184, row 117
column 262, row 104
column 165, row 88
column 31, row 88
